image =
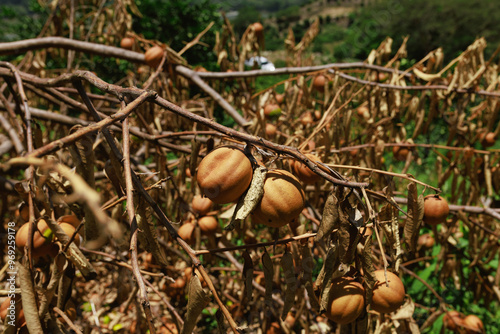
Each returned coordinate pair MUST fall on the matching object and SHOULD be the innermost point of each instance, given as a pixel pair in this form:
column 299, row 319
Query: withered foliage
column 63, row 155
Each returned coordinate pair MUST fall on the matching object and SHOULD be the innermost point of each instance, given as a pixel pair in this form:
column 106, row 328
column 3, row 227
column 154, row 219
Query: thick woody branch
column 133, row 93
column 69, row 44
column 216, row 96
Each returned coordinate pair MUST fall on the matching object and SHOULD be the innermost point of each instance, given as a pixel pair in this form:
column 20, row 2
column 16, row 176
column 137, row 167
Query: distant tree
column 246, row 16
column 451, row 24
column 178, row 22
column 21, row 20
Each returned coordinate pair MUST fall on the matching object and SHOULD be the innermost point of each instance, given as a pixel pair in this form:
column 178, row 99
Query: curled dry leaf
column 193, row 160
column 332, row 269
column 268, row 268
column 28, row 299
column 348, row 238
column 388, row 215
column 368, row 270
column 248, row 273
column 426, row 76
column 148, row 236
column 219, row 316
column 415, row 216
column 331, row 217
column 197, row 300
column 248, row 202
column 307, row 269
column 291, row 282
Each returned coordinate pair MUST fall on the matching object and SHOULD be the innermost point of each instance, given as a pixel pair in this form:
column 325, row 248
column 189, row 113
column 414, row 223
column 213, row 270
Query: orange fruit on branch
column 42, row 238
column 436, row 209
column 400, row 152
column 224, row 174
column 319, row 83
column 208, row 224
column 282, row 202
column 186, row 232
column 272, row 110
column 304, row 173
column 347, row 301
column 201, row 205
column 258, row 28
column 153, row 56
column 387, row 299
column 127, row 43
column 473, row 324
column 452, row 320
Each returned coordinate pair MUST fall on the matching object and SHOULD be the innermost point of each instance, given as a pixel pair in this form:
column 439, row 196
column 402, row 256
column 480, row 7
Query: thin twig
column 257, row 245
column 67, row 320
column 133, row 226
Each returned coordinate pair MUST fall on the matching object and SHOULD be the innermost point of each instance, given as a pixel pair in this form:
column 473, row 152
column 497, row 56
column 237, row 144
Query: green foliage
column 177, row 23
column 269, row 6
column 273, row 39
column 20, row 21
column 450, row 24
column 330, row 35
column 246, row 16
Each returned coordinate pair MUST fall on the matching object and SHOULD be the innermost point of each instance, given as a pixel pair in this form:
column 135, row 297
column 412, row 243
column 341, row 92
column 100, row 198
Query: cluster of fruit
column 208, row 224
column 273, row 108
column 14, row 307
column 226, row 173
column 459, row 323
column 347, row 297
column 43, row 242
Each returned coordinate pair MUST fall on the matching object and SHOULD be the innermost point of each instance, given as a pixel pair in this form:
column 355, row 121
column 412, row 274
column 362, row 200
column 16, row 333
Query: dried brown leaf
column 197, row 300
column 307, row 265
column 248, row 273
column 326, row 275
column 426, row 76
column 248, row 202
column 219, row 316
column 29, row 299
column 193, row 160
column 368, row 269
column 268, row 269
column 148, row 235
column 291, row 282
column 348, row 237
column 415, row 216
column 330, row 219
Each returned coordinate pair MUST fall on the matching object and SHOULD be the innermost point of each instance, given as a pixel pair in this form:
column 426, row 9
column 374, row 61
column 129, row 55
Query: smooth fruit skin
column 347, row 301
column 272, row 110
column 473, row 324
column 72, row 220
column 452, row 320
column 18, row 310
column 42, row 244
column 436, row 209
column 201, row 205
column 186, row 232
column 319, row 83
column 304, row 173
column 258, row 28
column 387, row 299
column 224, row 175
column 271, row 130
column 426, row 240
column 127, row 43
column 282, row 202
column 70, row 230
column 488, row 139
column 153, row 56
column 400, row 152
column 208, row 224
